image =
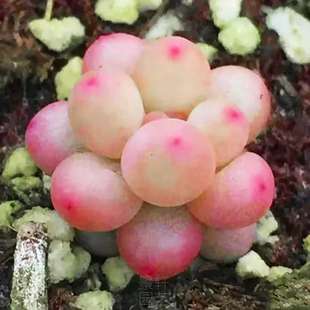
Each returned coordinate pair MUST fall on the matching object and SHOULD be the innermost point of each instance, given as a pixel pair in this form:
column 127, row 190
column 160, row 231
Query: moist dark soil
column 27, row 71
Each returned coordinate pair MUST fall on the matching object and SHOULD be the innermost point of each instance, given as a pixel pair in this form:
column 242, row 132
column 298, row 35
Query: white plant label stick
column 29, row 276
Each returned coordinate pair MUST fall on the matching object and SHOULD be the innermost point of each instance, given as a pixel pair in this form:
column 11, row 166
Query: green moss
column 291, row 292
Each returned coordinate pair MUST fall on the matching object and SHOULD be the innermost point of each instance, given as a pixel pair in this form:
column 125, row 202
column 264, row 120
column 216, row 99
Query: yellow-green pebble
column 19, row 162
column 240, row 37
column 6, row 210
column 67, row 77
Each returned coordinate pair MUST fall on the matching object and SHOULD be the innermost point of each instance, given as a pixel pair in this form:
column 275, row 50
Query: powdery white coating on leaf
column 226, row 245
column 173, row 76
column 165, row 26
column 160, row 243
column 49, row 136
column 67, row 77
column 105, row 109
column 253, row 100
column 56, row 227
column 117, row 272
column 240, row 36
column 294, row 33
column 99, row 300
column 244, row 188
column 224, row 11
column 89, row 192
column 107, row 52
column 58, row 34
column 225, row 125
column 168, row 162
column 252, row 266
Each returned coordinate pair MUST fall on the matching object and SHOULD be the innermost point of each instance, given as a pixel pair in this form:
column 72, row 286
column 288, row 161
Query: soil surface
column 27, row 71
